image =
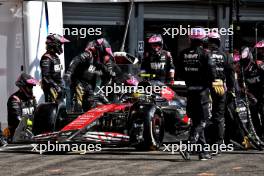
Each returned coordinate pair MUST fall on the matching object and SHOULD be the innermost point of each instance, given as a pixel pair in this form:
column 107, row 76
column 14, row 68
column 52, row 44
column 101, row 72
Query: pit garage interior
column 152, row 17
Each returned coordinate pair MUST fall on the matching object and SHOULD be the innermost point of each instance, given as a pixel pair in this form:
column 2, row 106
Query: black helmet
column 197, row 36
column 25, row 83
column 214, row 38
column 100, row 48
column 54, row 43
column 246, row 56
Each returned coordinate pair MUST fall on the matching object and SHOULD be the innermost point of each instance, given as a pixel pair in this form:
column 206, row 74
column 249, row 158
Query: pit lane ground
column 126, row 161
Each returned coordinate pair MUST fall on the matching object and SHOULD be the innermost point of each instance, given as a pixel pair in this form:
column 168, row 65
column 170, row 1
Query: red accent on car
column 259, row 62
column 106, row 137
column 186, row 119
column 92, row 115
column 167, row 93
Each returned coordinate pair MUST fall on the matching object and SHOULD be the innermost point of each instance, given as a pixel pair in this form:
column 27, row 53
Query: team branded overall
column 19, row 106
column 159, row 64
column 51, row 77
column 198, row 72
column 225, row 72
column 254, row 79
column 84, row 71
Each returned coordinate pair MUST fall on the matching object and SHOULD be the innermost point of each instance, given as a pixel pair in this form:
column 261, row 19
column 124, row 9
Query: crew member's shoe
column 217, row 153
column 185, row 155
column 2, row 142
column 205, row 156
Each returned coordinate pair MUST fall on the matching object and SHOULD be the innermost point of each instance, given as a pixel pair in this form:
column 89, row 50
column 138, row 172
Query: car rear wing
column 125, row 58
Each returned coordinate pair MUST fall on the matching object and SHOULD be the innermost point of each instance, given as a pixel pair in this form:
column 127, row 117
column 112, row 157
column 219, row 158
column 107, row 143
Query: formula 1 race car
column 137, row 120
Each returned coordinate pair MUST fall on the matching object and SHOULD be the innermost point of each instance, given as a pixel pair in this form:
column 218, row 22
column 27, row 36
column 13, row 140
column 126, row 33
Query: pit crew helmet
column 54, row 43
column 246, row 56
column 25, row 83
column 100, row 48
column 156, row 43
column 197, row 33
column 214, row 37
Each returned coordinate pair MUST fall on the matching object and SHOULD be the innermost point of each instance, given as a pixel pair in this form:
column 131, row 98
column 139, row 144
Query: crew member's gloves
column 218, row 86
column 6, row 133
column 171, row 81
column 58, row 89
column 232, row 92
column 29, row 122
column 56, row 92
column 112, row 73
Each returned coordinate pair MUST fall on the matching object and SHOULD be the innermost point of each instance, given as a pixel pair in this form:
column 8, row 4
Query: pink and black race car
column 141, row 121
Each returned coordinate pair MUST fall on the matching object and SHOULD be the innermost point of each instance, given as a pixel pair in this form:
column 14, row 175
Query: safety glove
column 6, row 133
column 218, row 86
column 54, row 94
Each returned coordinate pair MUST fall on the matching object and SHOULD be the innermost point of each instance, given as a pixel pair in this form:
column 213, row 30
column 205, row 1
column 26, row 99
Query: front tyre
column 48, row 118
column 153, row 132
column 147, row 129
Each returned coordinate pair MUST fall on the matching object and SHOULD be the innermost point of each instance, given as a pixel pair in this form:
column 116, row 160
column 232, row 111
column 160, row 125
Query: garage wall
column 251, row 14
column 36, row 29
column 94, row 14
column 11, row 52
column 172, row 11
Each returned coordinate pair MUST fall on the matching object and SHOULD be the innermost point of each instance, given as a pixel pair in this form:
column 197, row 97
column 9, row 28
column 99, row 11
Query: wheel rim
column 156, row 127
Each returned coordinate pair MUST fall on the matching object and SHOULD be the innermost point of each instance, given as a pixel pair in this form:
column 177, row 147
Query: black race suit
column 51, row 77
column 225, row 72
column 84, row 72
column 19, row 106
column 254, row 79
column 198, row 71
column 161, row 65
